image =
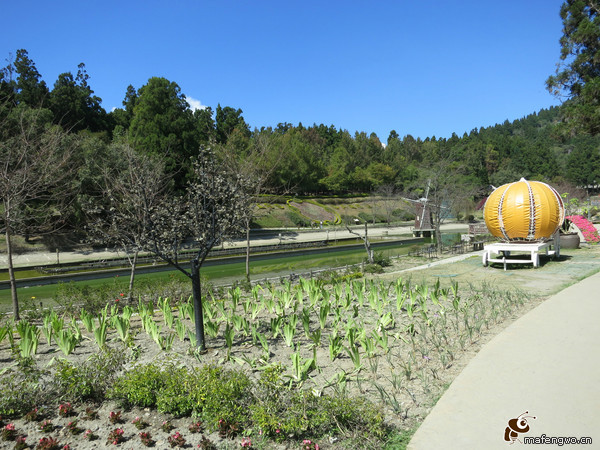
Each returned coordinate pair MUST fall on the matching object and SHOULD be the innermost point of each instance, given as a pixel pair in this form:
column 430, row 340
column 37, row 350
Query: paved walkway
column 547, row 362
column 290, row 235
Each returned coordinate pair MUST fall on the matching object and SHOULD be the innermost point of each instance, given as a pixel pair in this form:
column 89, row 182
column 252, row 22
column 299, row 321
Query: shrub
column 20, row 388
column 88, row 380
column 370, row 218
column 269, row 221
column 211, row 392
column 373, row 268
column 228, row 402
column 402, row 214
column 221, row 394
column 175, row 395
column 332, row 276
column 277, row 412
column 138, row 386
column 381, row 259
column 348, row 220
column 297, row 219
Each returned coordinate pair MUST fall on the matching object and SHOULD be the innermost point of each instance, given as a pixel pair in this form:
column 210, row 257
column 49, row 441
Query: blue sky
column 420, row 68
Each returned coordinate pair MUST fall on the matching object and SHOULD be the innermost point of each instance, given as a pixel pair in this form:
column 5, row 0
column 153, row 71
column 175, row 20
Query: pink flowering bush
column 20, row 443
column 65, row 410
column 590, row 234
column 9, row 432
column 176, row 440
column 48, row 443
column 307, row 444
column 115, row 436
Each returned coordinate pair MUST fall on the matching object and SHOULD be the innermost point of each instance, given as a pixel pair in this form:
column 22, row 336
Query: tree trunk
column 198, row 312
column 11, row 276
column 438, row 233
column 132, row 276
column 368, row 245
column 248, row 250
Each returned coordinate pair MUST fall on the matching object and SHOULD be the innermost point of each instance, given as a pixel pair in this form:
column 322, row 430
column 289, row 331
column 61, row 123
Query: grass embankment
column 285, row 212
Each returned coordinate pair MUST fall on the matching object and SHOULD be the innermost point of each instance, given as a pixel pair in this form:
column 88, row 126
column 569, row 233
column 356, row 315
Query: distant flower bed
column 590, row 234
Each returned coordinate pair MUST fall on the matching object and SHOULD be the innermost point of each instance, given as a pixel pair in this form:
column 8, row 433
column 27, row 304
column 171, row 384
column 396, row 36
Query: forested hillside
column 297, row 159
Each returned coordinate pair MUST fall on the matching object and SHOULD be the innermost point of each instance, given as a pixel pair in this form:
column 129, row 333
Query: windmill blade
column 426, row 198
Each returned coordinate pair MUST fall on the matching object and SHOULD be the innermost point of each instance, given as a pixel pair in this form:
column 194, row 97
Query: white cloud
column 195, row 104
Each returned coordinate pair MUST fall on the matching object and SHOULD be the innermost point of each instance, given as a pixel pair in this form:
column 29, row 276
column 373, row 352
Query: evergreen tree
column 163, row 125
column 578, row 74
column 74, row 104
column 31, row 90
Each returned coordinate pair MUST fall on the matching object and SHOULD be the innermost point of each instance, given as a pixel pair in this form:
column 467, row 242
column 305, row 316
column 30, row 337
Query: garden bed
column 394, row 342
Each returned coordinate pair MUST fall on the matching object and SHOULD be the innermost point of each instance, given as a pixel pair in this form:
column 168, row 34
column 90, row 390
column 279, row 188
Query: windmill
column 423, row 223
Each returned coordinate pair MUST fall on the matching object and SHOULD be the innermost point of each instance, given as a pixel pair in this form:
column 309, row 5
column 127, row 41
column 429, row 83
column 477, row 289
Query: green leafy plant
column 335, row 345
column 180, row 329
column 30, row 336
column 165, row 306
column 229, row 335
column 66, row 341
column 100, row 332
column 138, row 387
column 289, row 331
column 323, row 313
column 315, row 336
column 212, row 327
column 301, row 367
column 121, row 324
column 354, row 354
column 5, row 330
column 87, row 319
column 47, row 327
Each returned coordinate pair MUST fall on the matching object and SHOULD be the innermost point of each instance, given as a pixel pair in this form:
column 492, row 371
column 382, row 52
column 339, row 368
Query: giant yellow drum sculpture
column 526, row 211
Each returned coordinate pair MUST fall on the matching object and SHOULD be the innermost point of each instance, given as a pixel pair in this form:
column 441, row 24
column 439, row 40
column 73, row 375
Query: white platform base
column 529, row 251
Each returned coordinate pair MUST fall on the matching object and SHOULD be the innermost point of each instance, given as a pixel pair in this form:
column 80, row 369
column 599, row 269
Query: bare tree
column 366, row 242
column 446, row 188
column 213, row 208
column 256, row 165
column 35, row 169
column 131, row 190
column 389, row 200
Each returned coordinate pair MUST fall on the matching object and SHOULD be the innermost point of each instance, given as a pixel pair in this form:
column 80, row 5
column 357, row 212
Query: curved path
column 547, row 362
